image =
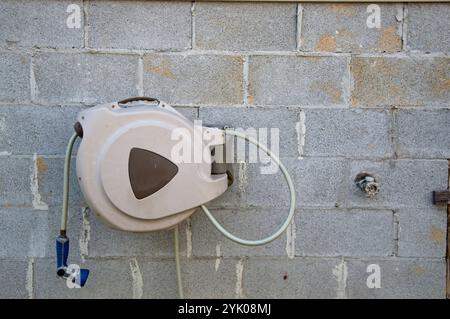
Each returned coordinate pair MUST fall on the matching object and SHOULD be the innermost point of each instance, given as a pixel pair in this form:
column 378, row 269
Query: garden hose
column 62, row 241
column 177, row 262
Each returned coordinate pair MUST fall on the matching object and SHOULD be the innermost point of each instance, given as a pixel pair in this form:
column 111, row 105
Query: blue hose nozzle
column 62, row 253
column 83, row 276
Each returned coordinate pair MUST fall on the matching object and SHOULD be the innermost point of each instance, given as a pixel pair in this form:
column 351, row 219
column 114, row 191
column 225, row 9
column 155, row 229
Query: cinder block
column 152, row 25
column 266, row 190
column 245, row 26
column 317, row 181
column 422, row 232
column 107, row 242
column 428, row 27
column 44, row 130
column 23, row 233
column 400, row 278
column 245, row 223
column 282, row 120
column 404, row 183
column 289, row 278
column 194, row 79
column 344, row 233
column 15, row 182
column 40, row 24
column 85, row 77
column 14, row 76
column 296, row 80
column 209, row 278
column 423, row 134
column 343, row 28
column 350, row 133
column 159, row 278
column 400, row 81
column 108, row 278
column 13, row 279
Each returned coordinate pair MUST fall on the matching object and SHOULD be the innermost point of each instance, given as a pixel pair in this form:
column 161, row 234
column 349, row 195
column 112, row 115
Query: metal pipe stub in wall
column 368, row 184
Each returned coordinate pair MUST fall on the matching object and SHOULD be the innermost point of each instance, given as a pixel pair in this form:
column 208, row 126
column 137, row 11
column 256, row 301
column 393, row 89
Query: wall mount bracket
column 441, row 197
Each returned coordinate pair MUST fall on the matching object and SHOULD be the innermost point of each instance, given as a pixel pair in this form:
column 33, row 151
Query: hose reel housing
column 126, row 166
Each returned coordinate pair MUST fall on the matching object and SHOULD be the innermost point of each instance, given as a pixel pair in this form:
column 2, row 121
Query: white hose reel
column 132, row 178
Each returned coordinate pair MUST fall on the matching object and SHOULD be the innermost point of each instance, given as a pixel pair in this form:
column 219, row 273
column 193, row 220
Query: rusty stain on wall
column 437, row 234
column 369, row 82
column 354, row 101
column 440, row 81
column 343, row 9
column 9, row 205
column 329, row 89
column 327, row 43
column 389, row 40
column 37, row 201
column 41, row 165
column 419, row 270
column 163, row 68
column 398, row 81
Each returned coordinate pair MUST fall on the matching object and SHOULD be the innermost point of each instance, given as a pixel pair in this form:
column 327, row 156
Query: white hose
column 177, row 262
column 292, row 198
column 64, row 211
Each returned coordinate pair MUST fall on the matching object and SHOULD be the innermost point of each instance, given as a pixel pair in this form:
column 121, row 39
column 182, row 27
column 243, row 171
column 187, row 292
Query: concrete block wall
column 347, row 98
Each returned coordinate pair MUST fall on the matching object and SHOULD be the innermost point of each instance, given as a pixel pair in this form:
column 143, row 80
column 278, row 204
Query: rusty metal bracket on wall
column 441, row 197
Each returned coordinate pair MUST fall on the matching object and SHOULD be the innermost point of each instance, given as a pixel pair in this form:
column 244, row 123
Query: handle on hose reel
column 138, row 98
